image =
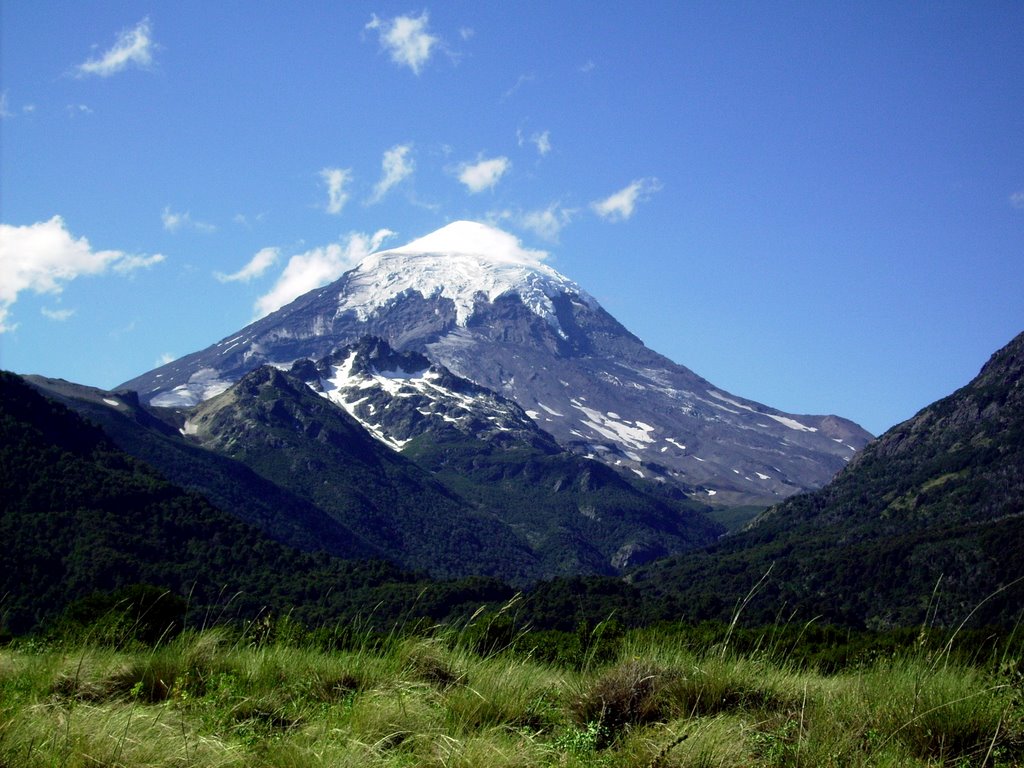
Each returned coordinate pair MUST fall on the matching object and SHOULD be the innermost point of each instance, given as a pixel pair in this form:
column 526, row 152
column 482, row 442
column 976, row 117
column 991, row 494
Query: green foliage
column 579, row 516
column 136, row 613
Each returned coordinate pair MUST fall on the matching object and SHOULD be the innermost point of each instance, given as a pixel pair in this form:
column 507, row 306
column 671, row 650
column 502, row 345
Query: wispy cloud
column 130, row 262
column 256, row 266
column 166, row 358
column 244, row 220
column 406, row 39
column 1017, row 200
column 5, row 108
column 546, row 223
column 620, row 205
column 336, row 179
column 133, row 47
column 396, row 165
column 175, row 221
column 316, row 267
column 57, row 315
column 520, row 82
column 483, row 174
column 43, row 257
column 540, row 139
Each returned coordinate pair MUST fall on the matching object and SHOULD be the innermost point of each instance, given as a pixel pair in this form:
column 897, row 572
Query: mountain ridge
column 927, row 524
column 481, row 489
column 574, row 369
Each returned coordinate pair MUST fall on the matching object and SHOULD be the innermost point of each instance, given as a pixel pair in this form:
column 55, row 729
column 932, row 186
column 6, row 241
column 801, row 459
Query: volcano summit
column 471, row 298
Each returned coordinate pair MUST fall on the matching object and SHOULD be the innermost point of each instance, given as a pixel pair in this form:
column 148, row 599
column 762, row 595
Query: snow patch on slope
column 343, row 379
column 783, row 420
column 201, row 385
column 635, row 435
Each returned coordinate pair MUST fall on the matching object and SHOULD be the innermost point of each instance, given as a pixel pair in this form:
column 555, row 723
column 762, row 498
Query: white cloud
column 42, row 257
column 57, row 315
column 1017, row 200
column 483, row 174
column 130, row 262
column 174, row 221
column 166, row 358
column 546, row 223
column 406, row 39
column 542, row 141
column 336, row 179
column 395, row 166
column 588, row 66
column 133, row 46
column 319, row 266
column 79, row 109
column 256, row 266
column 620, row 205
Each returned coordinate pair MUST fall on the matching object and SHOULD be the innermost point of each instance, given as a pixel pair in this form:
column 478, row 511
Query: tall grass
column 439, row 698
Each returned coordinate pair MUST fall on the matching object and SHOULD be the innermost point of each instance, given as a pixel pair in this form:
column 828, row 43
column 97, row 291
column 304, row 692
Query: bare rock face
column 470, row 298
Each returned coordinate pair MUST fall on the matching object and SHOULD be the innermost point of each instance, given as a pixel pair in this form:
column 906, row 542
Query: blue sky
column 819, row 206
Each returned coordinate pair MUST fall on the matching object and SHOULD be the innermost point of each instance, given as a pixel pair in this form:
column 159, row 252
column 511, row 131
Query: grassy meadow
column 275, row 695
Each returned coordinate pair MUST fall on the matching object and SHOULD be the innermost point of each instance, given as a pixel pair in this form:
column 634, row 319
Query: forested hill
column 81, row 516
column 925, row 524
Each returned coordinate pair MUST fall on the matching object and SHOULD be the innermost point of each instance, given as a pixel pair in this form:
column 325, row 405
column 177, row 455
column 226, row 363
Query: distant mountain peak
column 464, row 262
column 477, row 302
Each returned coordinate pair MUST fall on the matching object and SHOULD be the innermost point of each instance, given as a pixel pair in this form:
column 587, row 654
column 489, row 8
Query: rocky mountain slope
column 471, row 298
column 308, row 455
column 398, row 396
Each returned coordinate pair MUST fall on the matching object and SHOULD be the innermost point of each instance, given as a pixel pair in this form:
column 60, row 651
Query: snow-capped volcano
column 473, row 299
column 465, row 262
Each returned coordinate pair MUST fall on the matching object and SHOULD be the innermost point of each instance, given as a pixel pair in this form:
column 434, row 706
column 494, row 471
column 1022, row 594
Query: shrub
column 626, row 695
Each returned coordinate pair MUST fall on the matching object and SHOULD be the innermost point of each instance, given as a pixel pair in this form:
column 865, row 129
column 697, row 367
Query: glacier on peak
column 463, row 261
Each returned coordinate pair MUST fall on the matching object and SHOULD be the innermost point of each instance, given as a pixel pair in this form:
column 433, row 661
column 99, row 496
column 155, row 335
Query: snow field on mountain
column 463, row 262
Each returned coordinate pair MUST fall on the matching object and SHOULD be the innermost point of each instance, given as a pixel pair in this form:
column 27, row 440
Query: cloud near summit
column 483, row 174
column 620, row 205
column 336, row 179
column 396, row 165
column 316, row 267
column 257, row 265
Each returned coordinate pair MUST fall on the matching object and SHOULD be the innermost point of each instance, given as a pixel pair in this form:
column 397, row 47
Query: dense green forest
column 81, row 516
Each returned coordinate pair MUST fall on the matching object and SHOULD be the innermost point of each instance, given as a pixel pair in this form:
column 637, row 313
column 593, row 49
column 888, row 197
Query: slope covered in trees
column 927, row 524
